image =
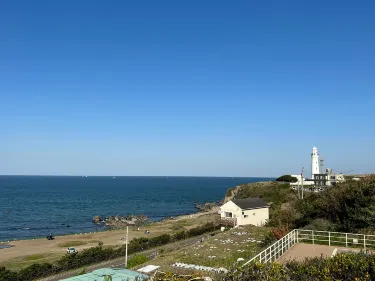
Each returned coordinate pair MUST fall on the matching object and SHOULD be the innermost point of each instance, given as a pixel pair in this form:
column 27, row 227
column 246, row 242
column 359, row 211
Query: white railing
column 277, row 249
column 340, row 239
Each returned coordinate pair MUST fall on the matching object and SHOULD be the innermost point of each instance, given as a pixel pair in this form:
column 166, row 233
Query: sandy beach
column 26, row 252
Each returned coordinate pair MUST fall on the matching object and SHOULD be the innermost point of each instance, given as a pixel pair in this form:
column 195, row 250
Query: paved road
column 120, row 262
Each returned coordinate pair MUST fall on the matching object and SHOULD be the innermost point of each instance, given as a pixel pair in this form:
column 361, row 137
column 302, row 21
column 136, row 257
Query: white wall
column 230, row 207
column 256, row 217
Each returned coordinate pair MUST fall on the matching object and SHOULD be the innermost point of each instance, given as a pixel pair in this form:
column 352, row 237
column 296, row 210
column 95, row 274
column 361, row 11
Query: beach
column 25, row 252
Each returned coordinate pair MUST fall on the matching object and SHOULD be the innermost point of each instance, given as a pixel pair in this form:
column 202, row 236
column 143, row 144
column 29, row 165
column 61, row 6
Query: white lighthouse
column 314, row 162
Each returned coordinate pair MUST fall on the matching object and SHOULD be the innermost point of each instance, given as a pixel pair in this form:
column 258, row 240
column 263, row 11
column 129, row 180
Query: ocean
column 34, row 206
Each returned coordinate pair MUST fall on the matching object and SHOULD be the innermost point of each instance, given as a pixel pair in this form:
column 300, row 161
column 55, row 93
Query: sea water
column 34, row 206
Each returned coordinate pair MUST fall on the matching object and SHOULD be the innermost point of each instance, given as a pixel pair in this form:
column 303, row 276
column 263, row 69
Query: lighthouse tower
column 314, row 162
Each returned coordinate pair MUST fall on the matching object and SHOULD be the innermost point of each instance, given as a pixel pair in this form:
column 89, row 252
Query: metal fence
column 338, row 239
column 277, row 249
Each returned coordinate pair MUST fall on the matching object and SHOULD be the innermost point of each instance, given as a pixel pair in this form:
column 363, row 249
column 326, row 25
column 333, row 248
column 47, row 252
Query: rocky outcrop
column 96, row 219
column 208, row 206
column 231, row 193
column 114, row 222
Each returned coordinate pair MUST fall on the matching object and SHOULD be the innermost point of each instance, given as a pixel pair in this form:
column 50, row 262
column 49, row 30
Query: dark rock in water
column 206, row 206
column 68, row 225
column 114, row 222
column 96, row 219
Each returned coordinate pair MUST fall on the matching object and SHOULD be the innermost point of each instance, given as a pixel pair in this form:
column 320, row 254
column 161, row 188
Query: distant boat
column 114, row 177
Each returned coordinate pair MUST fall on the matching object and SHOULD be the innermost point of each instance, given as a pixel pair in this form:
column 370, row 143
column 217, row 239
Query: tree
column 287, row 178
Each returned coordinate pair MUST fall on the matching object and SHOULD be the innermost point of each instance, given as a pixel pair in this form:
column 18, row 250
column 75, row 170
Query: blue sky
column 203, row 88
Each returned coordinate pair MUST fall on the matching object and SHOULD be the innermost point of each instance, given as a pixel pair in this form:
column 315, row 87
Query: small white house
column 245, row 211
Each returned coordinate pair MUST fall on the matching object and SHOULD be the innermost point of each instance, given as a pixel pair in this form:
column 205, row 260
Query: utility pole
column 298, row 189
column 126, row 246
column 302, row 181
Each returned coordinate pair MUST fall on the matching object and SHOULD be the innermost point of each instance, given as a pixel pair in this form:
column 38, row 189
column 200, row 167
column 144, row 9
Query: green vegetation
column 35, row 257
column 229, row 192
column 346, row 207
column 344, row 267
column 137, row 260
column 287, row 178
column 72, row 244
column 99, row 254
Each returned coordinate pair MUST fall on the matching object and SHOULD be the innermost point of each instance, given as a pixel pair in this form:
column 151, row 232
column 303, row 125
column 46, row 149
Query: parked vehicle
column 71, row 250
column 50, row 237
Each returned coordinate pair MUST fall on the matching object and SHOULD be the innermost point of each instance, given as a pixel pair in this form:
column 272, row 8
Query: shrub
column 345, row 267
column 137, row 260
column 179, row 235
column 287, row 178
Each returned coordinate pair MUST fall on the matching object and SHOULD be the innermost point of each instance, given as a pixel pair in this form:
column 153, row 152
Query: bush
column 287, row 178
column 346, row 267
column 348, row 206
column 137, row 260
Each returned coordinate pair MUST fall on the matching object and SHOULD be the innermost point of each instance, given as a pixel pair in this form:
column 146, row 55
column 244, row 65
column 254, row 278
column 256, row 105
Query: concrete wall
column 256, row 217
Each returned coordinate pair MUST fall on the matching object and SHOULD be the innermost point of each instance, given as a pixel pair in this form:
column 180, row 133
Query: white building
column 245, row 211
column 301, row 180
column 314, row 162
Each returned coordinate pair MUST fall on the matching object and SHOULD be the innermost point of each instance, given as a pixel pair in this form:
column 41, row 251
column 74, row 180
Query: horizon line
column 46, row 175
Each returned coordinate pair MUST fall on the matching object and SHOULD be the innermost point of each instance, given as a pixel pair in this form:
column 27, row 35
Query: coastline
column 21, row 250
column 106, row 229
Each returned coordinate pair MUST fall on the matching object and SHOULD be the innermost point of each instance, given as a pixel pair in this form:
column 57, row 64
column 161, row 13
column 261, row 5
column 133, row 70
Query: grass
column 72, row 244
column 34, row 257
column 22, row 262
column 221, row 250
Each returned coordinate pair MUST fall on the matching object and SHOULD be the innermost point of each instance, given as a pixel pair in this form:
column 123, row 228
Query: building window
column 253, row 214
column 243, row 213
column 245, row 216
column 228, row 215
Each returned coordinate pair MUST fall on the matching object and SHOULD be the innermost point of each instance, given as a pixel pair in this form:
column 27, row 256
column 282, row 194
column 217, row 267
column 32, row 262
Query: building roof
column 118, row 274
column 250, row 203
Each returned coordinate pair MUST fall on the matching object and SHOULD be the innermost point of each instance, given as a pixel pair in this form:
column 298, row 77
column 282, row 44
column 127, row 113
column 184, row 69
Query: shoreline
column 107, row 230
column 26, row 252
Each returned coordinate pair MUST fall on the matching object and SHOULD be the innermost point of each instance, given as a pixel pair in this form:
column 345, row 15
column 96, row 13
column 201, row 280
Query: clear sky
column 202, row 88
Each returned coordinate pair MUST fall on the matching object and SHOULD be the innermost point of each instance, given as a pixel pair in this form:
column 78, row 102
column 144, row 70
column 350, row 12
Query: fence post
column 313, row 236
column 364, row 242
column 270, row 254
column 297, row 235
column 346, row 240
column 329, row 238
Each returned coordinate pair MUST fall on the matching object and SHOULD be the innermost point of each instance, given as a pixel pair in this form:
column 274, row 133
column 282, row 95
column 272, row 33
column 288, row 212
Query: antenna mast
column 321, row 162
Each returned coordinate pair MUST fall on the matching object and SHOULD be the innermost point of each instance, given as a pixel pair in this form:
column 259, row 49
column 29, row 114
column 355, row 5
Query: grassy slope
column 221, row 250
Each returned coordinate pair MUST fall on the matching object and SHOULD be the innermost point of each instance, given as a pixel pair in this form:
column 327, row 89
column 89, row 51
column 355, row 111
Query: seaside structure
column 328, row 178
column 300, row 180
column 247, row 211
column 314, row 162
column 116, row 274
column 318, row 177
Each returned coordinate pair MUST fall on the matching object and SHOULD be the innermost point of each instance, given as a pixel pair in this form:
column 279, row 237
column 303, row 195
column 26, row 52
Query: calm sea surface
column 33, row 206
